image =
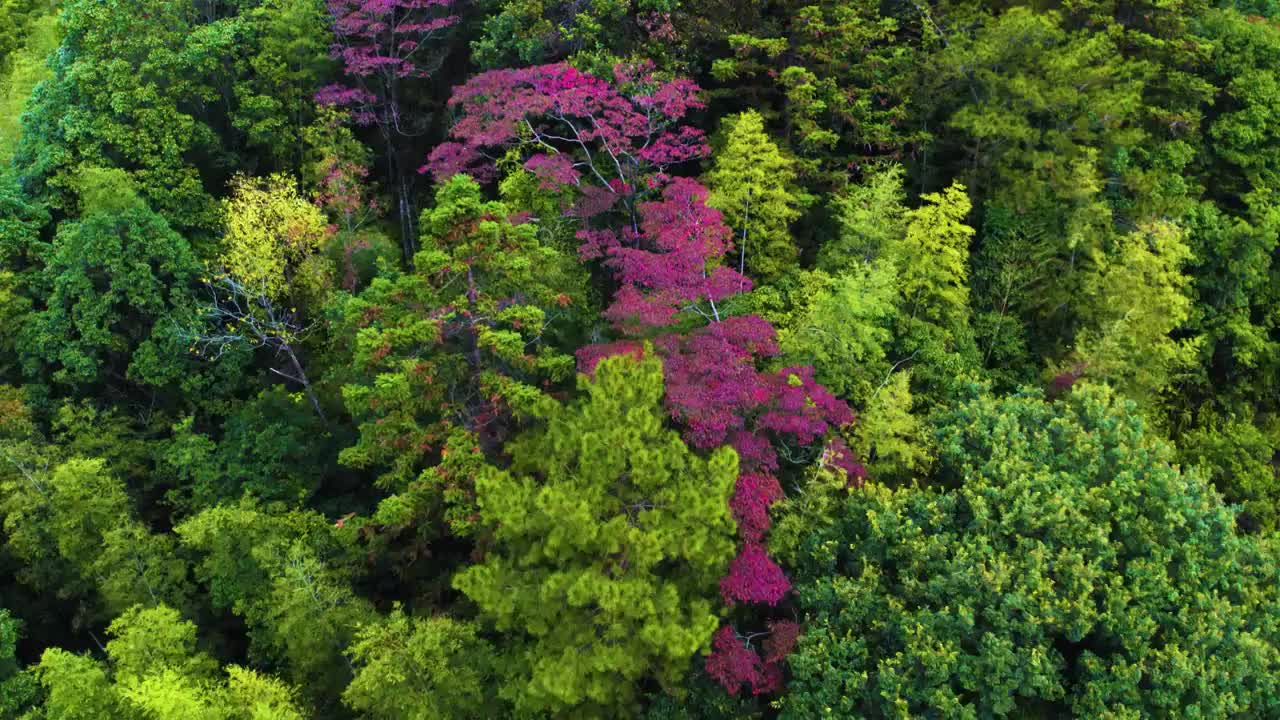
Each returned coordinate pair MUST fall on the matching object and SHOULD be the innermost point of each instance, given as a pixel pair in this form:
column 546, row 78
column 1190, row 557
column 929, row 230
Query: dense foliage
column 418, row 359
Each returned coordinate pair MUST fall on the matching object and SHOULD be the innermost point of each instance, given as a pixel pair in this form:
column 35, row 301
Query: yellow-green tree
column 1138, row 299
column 273, row 236
column 751, row 184
column 609, row 536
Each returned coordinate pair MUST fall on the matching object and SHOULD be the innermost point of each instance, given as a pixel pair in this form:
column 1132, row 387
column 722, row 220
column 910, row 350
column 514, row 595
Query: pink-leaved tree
column 381, row 45
column 615, row 142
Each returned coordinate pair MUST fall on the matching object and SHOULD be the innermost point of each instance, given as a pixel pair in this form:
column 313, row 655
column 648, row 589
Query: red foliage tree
column 382, row 43
column 601, row 136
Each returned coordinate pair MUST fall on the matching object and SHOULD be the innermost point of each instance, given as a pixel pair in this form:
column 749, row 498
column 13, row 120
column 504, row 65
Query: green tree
column 112, row 287
column 17, row 686
column 608, row 538
column 19, row 75
column 1238, row 455
column 289, row 575
column 75, row 529
column 157, row 673
column 447, row 358
column 1068, row 569
column 842, row 324
column 838, row 73
column 752, row 184
column 273, row 239
column 933, row 329
column 137, row 85
column 289, row 59
column 77, row 688
column 411, row 668
column 891, row 440
column 870, row 217
column 1137, row 302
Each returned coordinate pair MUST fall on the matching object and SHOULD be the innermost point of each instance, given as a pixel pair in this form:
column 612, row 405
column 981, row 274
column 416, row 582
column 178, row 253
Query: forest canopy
column 654, row 359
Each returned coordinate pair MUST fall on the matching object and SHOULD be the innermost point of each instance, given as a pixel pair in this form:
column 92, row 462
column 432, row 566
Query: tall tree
column 752, row 184
column 383, row 44
column 448, row 358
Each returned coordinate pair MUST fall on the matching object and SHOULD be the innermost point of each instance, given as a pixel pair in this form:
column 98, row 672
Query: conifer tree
column 609, row 537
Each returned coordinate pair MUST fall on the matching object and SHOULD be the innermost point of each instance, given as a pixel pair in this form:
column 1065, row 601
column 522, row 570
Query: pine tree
column 609, row 536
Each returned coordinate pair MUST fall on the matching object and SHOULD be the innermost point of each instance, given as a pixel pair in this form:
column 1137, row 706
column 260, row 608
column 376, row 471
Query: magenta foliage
column 733, row 663
column 754, row 578
column 380, row 42
column 783, row 636
column 752, row 496
column 613, row 132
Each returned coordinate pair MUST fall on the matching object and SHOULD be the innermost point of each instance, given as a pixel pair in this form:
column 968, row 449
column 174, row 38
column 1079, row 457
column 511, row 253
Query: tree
column 290, row 42
column 752, row 184
column 1141, row 302
column 933, row 327
column 412, row 668
column 289, row 575
column 1066, row 568
column 870, row 217
column 842, row 324
column 574, row 128
column 838, row 72
column 893, row 442
column 272, row 265
column 157, row 673
column 609, row 534
column 1237, row 454
column 447, row 359
column 273, row 239
column 136, row 86
column 110, row 290
column 18, row 687
column 75, row 529
column 382, row 45
column 22, row 70
column 932, row 259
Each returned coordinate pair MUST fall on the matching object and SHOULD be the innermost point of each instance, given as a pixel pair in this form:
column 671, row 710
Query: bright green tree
column 842, row 324
column 870, row 216
column 1136, row 303
column 24, row 69
column 289, row 575
column 156, row 672
column 752, row 183
column 608, row 538
column 892, row 441
column 1068, row 570
column 411, row 668
column 933, row 331
column 273, row 239
column 75, row 529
